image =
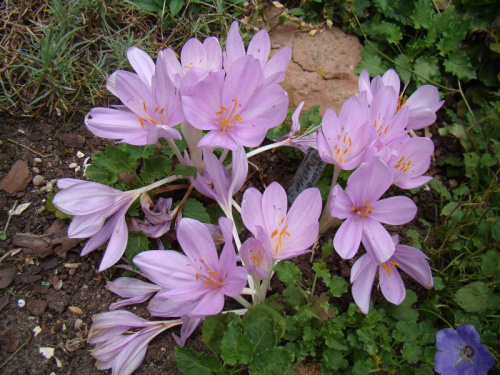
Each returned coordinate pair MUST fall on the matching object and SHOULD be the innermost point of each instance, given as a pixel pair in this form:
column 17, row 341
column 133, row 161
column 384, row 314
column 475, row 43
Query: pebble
column 37, row 160
column 37, row 306
column 72, row 165
column 21, row 303
column 35, row 170
column 80, row 154
column 38, row 180
column 78, row 323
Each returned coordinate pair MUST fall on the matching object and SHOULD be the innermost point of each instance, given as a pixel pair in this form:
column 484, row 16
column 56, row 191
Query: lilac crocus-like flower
column 422, row 104
column 214, row 180
column 407, row 258
column 194, row 284
column 284, row 234
column 460, row 352
column 157, row 220
column 151, row 107
column 410, row 161
column 122, row 339
column 133, row 290
column 363, row 211
column 259, row 47
column 232, row 108
column 256, row 259
column 91, row 204
column 197, row 59
column 294, row 138
column 343, row 140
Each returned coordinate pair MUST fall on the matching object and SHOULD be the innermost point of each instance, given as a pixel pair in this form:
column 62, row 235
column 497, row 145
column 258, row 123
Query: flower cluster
column 228, row 99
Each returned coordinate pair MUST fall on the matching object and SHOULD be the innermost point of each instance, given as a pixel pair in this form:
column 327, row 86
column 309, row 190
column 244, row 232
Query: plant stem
column 327, row 221
column 264, row 148
column 242, row 301
column 176, row 151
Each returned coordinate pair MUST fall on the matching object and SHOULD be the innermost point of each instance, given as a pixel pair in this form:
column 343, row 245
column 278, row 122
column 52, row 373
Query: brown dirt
column 52, row 290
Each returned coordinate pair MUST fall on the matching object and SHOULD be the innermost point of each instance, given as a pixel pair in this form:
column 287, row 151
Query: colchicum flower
column 460, row 352
column 294, row 138
column 194, row 284
column 407, row 258
column 157, row 221
column 151, row 107
column 233, row 109
column 283, row 233
column 256, row 259
column 363, row 211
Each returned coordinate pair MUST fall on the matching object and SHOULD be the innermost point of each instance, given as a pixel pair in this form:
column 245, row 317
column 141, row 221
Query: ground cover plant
column 319, row 319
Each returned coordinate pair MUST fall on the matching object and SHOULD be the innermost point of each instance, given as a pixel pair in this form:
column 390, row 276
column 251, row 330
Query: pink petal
column 394, row 210
column 260, row 46
column 369, row 182
column 392, row 286
column 362, row 277
column 251, row 210
column 117, row 242
column 348, row 237
column 377, row 241
column 197, row 243
column 274, row 206
column 142, row 64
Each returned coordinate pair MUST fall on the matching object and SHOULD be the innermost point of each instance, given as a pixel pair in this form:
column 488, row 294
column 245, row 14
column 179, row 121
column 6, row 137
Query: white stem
column 176, row 151
column 223, row 155
column 248, row 291
column 236, row 206
column 243, row 301
column 164, row 181
column 264, row 148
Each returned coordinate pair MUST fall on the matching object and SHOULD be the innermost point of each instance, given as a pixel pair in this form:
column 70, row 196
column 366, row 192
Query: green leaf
column 185, row 170
column 438, row 186
column 190, row 362
column 101, row 174
column 214, row 328
column 137, row 243
column 404, row 311
column 371, row 62
column 310, row 117
column 334, row 360
column 236, row 347
column 277, row 361
column 293, row 295
column 175, row 7
column 452, row 37
column 263, row 311
column 288, row 273
column 138, row 152
column 195, row 210
column 427, row 68
column 261, row 334
column 386, row 31
column 422, row 15
column 411, row 352
column 403, row 66
column 155, row 168
column 438, row 283
column 474, row 298
column 458, row 64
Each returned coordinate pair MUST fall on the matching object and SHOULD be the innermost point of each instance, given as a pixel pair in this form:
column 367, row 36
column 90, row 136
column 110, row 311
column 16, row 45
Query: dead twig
column 30, row 149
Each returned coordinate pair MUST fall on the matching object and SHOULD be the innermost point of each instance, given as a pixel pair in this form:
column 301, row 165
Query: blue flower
column 460, row 352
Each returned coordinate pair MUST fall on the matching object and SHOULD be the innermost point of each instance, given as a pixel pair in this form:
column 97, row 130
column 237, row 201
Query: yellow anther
column 390, row 267
column 156, row 109
column 144, row 106
column 238, row 118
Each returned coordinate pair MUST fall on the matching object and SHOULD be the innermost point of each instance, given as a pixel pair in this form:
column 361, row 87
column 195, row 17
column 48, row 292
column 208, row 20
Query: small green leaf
column 236, row 347
column 438, row 186
column 263, row 311
column 458, row 64
column 438, row 283
column 155, row 167
column 175, row 7
column 213, row 329
column 194, row 209
column 422, row 15
column 277, row 361
column 474, row 297
column 261, row 334
column 190, row 362
column 411, row 352
column 334, row 360
column 185, row 170
column 371, row 62
column 288, row 273
column 427, row 68
column 136, row 243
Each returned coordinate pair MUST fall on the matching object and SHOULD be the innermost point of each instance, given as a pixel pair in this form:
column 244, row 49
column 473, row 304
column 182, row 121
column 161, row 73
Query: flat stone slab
column 322, row 66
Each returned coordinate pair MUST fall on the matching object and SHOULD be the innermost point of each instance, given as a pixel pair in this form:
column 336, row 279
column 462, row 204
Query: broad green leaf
column 404, row 311
column 411, row 352
column 236, row 347
column 101, row 174
column 156, row 167
column 277, row 361
column 334, row 360
column 190, row 362
column 452, row 37
column 338, row 286
column 293, row 295
column 386, row 31
column 214, row 328
column 288, row 273
column 310, row 117
column 138, row 152
column 175, row 7
column 422, row 15
column 474, row 298
column 136, row 243
column 371, row 62
column 263, row 311
column 194, row 209
column 458, row 64
column 427, row 68
column 438, row 186
column 403, row 66
column 185, row 170
column 261, row 334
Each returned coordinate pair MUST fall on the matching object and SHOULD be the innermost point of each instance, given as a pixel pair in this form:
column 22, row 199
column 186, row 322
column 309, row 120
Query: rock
column 38, row 180
column 322, row 67
column 17, row 179
column 37, row 306
column 37, row 160
column 36, row 170
column 72, row 166
column 34, row 137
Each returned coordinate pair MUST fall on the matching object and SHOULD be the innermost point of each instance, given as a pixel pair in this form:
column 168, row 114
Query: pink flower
column 91, row 204
column 157, row 221
column 363, row 211
column 294, row 138
column 407, row 258
column 231, row 108
column 134, row 290
column 343, row 140
column 283, row 233
column 194, row 284
column 151, row 107
column 256, row 259
column 259, row 47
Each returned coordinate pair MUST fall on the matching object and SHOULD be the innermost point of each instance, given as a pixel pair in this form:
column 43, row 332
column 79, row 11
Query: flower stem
column 164, row 181
column 176, row 151
column 264, row 148
column 242, row 301
column 327, row 221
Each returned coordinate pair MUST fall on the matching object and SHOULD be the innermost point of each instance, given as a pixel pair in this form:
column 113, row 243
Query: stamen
column 389, row 268
column 162, row 110
column 275, row 232
column 197, row 276
column 238, row 118
column 156, row 109
column 144, row 106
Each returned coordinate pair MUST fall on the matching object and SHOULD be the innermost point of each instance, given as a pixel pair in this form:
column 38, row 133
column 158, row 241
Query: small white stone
column 80, row 154
column 37, row 160
column 21, row 131
column 77, row 168
column 38, row 180
column 37, row 330
column 21, row 303
column 72, row 165
column 35, row 170
column 78, row 323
